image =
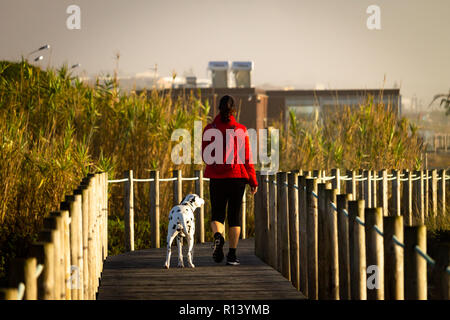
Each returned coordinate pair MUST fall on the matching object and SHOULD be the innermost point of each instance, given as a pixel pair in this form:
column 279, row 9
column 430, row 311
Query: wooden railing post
column 350, row 185
column 65, row 207
column 433, row 193
column 407, row 198
column 263, row 189
column 336, row 182
column 129, row 210
column 76, row 238
column 415, row 265
column 177, row 187
column 418, row 198
column 154, row 209
column 374, row 176
column 344, row 254
column 294, row 229
column 243, row 234
column 23, row 270
column 367, row 174
column 441, row 193
column 303, row 234
column 85, row 206
column 357, row 246
column 273, row 252
column 393, row 258
column 323, row 249
column 311, row 186
column 258, row 220
column 45, row 255
column 200, row 214
column 283, row 219
column 383, row 192
column 332, row 239
column 426, row 192
column 396, row 200
column 374, row 253
column 53, row 236
column 440, row 275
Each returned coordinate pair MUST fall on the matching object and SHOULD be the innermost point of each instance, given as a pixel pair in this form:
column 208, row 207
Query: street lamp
column 75, row 66
column 44, row 47
column 38, row 58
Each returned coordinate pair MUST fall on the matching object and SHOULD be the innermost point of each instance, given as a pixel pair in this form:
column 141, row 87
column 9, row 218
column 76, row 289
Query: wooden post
column 303, row 248
column 129, row 211
column 263, row 189
column 336, row 182
column 323, row 248
column 367, row 174
column 357, row 246
column 418, row 198
column 66, row 253
column 76, row 242
column 45, row 255
column 200, row 214
column 105, row 214
column 177, row 187
column 426, row 191
column 76, row 245
column 374, row 178
column 343, row 246
column 440, row 275
column 243, row 234
column 85, row 237
column 258, row 220
column 441, row 193
column 91, row 245
column 415, row 265
column 433, row 193
column 350, row 185
column 283, row 219
column 393, row 258
column 396, row 184
column 23, row 270
column 154, row 209
column 383, row 192
column 332, row 239
column 8, row 294
column 273, row 252
column 53, row 232
column 294, row 229
column 374, row 253
column 407, row 198
column 312, row 211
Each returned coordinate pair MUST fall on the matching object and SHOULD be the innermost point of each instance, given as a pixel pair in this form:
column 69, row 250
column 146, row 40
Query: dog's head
column 194, row 200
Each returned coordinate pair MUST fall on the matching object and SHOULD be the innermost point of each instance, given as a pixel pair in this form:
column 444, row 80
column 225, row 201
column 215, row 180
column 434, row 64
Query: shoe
column 218, row 247
column 232, row 260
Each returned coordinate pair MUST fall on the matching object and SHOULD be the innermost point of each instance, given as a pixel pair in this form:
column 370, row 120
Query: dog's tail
column 179, row 226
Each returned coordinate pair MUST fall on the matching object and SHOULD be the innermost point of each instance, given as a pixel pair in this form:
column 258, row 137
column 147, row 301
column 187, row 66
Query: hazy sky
column 301, row 43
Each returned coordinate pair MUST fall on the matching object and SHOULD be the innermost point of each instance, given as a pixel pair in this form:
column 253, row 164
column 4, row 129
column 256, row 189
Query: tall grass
column 369, row 136
column 55, row 129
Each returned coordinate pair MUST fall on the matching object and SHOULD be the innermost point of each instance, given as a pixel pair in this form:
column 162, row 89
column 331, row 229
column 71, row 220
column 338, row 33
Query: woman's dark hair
column 226, row 107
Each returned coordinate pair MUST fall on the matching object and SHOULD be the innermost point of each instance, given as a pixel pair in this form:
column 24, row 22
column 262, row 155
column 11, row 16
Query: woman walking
column 229, row 172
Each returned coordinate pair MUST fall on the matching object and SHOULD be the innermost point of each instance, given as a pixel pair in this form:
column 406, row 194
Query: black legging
column 223, row 191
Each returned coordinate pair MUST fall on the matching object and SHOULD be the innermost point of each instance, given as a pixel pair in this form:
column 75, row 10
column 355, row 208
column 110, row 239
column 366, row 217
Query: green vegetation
column 55, row 129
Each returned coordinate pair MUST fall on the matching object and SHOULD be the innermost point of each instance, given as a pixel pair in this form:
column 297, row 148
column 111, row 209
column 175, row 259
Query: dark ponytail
column 226, row 107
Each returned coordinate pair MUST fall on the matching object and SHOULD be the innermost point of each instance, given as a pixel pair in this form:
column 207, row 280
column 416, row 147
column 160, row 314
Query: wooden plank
column 140, row 275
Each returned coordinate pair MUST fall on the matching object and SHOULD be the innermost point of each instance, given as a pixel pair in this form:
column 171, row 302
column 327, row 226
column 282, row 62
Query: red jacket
column 239, row 169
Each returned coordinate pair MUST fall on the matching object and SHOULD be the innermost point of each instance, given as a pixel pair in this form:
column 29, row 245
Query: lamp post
column 44, row 47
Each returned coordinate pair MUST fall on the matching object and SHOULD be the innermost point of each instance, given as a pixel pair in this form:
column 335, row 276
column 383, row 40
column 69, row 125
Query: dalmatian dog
column 182, row 225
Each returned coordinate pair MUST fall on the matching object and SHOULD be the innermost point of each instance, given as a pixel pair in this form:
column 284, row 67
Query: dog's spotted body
column 182, row 225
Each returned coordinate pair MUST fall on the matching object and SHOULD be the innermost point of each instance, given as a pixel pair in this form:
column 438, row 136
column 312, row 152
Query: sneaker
column 218, row 247
column 232, row 260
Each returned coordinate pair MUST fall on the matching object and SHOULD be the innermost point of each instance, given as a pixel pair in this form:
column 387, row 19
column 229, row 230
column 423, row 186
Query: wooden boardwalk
column 141, row 275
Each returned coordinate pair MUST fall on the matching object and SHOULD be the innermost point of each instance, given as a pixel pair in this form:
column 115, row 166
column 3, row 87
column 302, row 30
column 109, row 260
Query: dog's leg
column 170, row 238
column 180, row 251
column 190, row 242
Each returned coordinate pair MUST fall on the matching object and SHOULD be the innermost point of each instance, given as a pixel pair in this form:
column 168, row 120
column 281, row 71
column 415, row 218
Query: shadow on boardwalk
column 140, row 275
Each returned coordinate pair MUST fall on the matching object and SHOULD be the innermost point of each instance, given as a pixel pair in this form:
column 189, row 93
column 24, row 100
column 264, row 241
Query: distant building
column 258, row 108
